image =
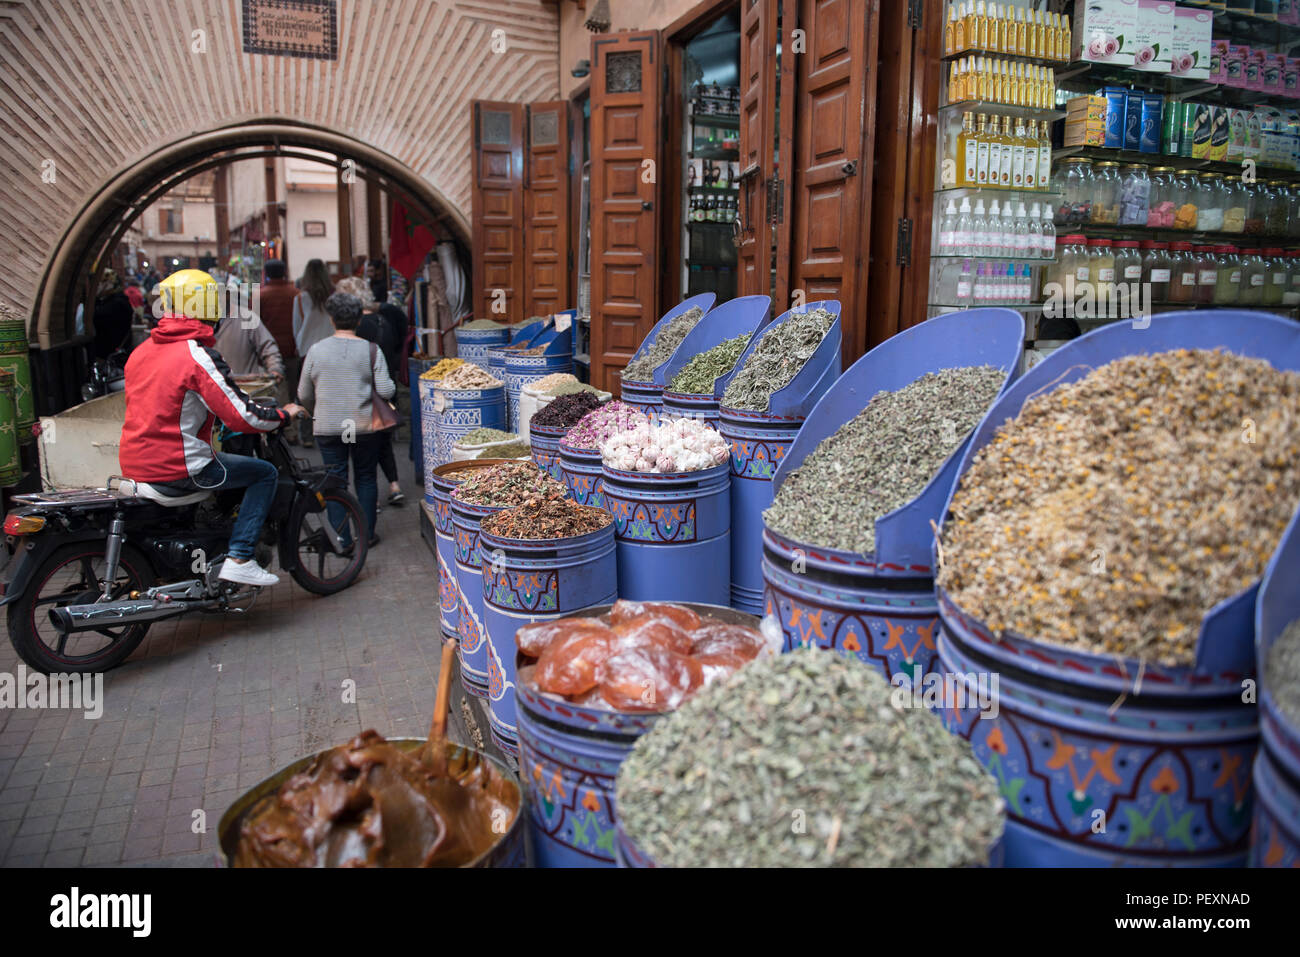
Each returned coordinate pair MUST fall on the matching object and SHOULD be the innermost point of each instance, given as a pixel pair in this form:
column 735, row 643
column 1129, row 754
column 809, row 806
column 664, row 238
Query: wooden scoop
column 435, row 750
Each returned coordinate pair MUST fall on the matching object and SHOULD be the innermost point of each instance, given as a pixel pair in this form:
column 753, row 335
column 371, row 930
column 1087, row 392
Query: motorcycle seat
column 147, row 491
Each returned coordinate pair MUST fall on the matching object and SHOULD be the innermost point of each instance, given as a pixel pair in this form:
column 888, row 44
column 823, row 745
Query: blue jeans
column 364, row 453
column 258, row 477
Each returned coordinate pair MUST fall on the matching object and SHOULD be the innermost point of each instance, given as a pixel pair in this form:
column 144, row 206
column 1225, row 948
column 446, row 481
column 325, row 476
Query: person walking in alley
column 246, row 344
column 310, row 324
column 339, row 376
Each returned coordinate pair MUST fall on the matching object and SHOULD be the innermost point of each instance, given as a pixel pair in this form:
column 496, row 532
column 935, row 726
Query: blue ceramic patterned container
column 472, row 345
column 569, row 756
column 647, row 397
column 545, row 443
column 414, row 369
column 881, row 606
column 745, row 316
column 673, row 534
column 1164, row 752
column 1275, row 835
column 473, row 650
column 580, row 470
column 527, row 581
column 428, row 432
column 759, row 443
column 461, row 411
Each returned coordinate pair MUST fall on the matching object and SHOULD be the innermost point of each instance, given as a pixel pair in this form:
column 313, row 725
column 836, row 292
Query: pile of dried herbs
column 569, row 388
column 662, row 349
column 483, row 436
column 1282, row 672
column 803, row 760
column 508, row 484
column 1115, row 511
column 546, row 518
column 881, row 459
column 697, row 376
column 781, row 353
column 566, row 411
column 483, row 324
column 441, row 368
column 511, row 450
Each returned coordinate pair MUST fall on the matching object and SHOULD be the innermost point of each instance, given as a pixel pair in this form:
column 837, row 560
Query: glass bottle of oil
column 1018, row 156
column 1040, row 33
column 1008, row 154
column 1063, row 41
column 981, row 38
column 1045, row 157
column 1021, row 39
column 968, row 151
column 949, row 30
column 1029, row 172
column 972, row 26
column 983, row 144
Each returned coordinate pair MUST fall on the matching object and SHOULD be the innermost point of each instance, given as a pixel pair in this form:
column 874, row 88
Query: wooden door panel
column 625, row 133
column 783, row 164
column 498, row 209
column 546, row 204
column 757, row 106
column 832, row 169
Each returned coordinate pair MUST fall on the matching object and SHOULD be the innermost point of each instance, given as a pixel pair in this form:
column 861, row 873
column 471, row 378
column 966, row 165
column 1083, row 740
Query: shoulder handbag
column 382, row 414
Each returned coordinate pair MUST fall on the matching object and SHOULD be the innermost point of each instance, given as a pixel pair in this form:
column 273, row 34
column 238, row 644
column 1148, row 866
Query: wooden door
column 757, row 105
column 549, row 130
column 626, row 72
column 784, row 159
column 498, row 210
column 830, row 182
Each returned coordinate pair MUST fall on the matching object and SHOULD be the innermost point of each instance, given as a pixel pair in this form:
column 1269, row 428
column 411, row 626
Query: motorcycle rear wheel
column 318, row 568
column 73, row 574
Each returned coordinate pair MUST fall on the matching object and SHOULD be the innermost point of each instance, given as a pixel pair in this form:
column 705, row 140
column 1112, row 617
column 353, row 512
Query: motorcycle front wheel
column 320, row 568
column 73, row 575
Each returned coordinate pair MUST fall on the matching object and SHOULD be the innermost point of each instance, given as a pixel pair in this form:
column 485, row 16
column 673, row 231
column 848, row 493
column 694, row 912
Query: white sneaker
column 247, row 573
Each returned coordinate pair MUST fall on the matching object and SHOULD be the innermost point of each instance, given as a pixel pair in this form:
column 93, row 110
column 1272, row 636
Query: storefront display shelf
column 1036, row 195
column 1013, row 57
column 1109, row 231
column 1088, row 76
column 726, row 120
column 1000, row 259
column 1002, row 109
column 1125, row 157
column 1023, row 306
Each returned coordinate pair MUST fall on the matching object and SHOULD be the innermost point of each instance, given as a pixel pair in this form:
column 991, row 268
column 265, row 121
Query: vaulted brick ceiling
column 97, row 86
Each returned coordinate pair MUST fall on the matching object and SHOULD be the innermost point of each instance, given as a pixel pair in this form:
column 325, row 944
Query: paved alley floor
column 208, row 706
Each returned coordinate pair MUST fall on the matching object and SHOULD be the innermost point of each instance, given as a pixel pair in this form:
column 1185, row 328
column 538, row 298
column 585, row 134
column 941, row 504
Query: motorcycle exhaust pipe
column 115, row 614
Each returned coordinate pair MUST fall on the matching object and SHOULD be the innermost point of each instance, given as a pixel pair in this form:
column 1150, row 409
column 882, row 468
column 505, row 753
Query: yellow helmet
column 192, row 293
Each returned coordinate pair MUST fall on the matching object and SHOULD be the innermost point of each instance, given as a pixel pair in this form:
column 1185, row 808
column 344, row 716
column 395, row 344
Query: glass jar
column 1292, row 295
column 1101, row 261
column 1225, row 291
column 1182, row 282
column 1207, row 272
column 1253, row 276
column 1186, row 200
column 1156, row 269
column 1058, row 274
column 1105, row 194
column 1256, row 206
column 1278, row 211
column 1213, row 203
column 1128, row 262
column 1134, row 196
column 1237, row 205
column 1293, row 217
column 1074, row 183
column 1163, row 198
column 1276, row 278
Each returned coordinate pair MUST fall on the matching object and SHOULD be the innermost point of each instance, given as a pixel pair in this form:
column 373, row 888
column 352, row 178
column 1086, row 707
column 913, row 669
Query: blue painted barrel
column 1166, row 752
column 569, row 756
column 647, row 397
column 497, row 365
column 473, row 650
column 1275, row 834
column 414, row 369
column 461, row 411
column 528, row 581
column 472, row 345
column 545, row 443
column 580, row 470
column 673, row 534
column 429, row 416
column 524, row 370
column 739, row 317
column 881, row 606
column 442, row 480
column 759, row 442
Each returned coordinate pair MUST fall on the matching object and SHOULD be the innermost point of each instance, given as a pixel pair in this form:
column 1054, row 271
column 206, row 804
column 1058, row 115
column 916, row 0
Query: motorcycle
column 94, row 568
column 106, row 376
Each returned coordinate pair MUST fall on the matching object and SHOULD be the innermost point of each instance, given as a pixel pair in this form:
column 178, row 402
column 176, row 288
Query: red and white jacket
column 177, row 385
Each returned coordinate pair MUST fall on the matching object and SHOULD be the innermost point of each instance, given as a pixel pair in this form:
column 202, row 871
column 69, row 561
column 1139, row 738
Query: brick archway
column 108, row 94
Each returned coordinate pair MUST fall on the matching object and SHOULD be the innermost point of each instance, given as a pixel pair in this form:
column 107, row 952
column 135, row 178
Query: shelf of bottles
column 713, row 189
column 994, row 233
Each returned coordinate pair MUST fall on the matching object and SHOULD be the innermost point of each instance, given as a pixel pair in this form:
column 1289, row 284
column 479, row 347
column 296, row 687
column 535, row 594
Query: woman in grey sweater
column 337, row 377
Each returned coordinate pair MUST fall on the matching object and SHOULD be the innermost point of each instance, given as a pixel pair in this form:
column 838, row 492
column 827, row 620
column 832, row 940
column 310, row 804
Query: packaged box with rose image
column 1152, row 40
column 1103, row 31
column 1192, row 43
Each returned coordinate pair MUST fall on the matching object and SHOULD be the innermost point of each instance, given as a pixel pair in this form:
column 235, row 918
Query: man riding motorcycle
column 177, row 385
